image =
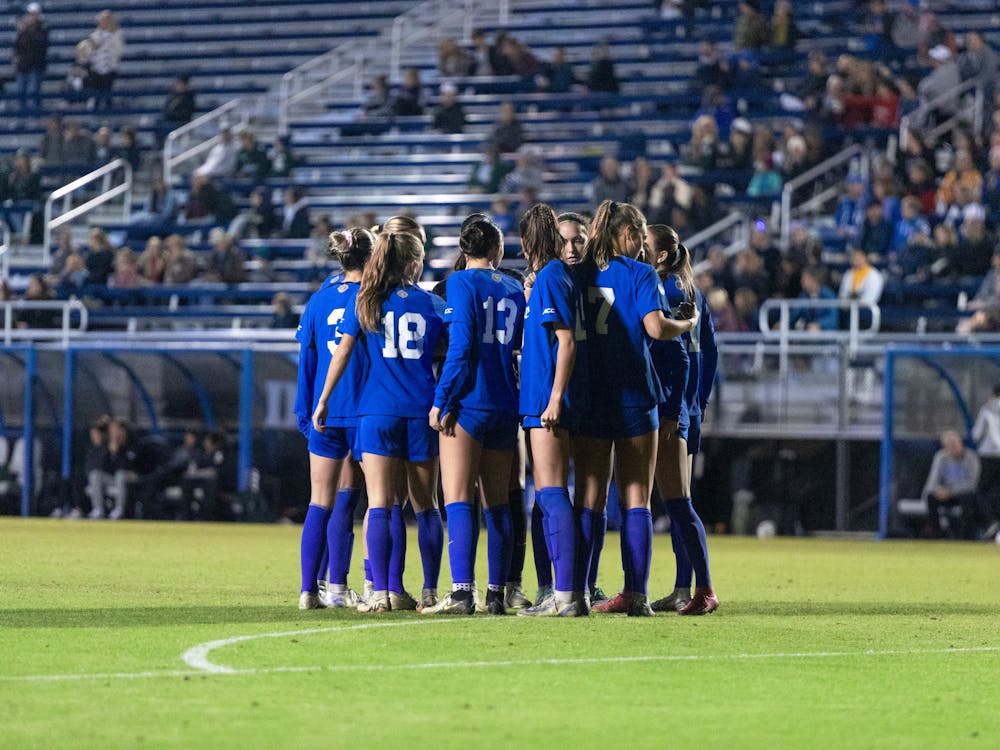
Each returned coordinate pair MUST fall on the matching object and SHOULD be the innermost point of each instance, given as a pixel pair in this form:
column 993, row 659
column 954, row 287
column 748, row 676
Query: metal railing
column 63, row 333
column 107, row 193
column 848, row 155
column 950, row 101
column 181, row 145
column 737, row 221
column 5, row 253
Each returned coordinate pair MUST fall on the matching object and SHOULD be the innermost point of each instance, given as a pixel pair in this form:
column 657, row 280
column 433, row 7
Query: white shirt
column 986, row 431
column 221, row 161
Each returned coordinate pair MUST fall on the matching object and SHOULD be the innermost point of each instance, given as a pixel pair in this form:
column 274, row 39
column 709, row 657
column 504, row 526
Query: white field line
column 197, row 658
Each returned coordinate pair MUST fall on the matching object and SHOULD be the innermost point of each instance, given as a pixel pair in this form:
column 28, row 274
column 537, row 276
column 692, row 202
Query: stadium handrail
column 951, row 97
column 810, row 175
column 107, row 194
column 233, row 108
column 63, row 333
column 5, row 253
column 734, row 218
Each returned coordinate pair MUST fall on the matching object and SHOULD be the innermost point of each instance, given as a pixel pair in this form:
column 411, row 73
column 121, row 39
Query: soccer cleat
column 401, row 601
column 96, row 514
column 368, row 590
column 703, row 602
column 458, row 602
column 550, row 607
column 116, row 514
column 617, row 604
column 428, row 598
column 376, row 603
column 480, row 607
column 597, row 595
column 338, row 599
column 515, row 597
column 639, row 606
column 309, row 600
column 673, row 602
column 544, row 592
column 495, row 603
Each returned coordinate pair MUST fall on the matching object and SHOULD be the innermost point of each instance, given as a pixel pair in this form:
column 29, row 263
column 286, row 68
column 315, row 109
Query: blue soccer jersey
column 616, row 300
column 400, row 380
column 485, row 316
column 702, row 349
column 554, row 300
column 318, row 335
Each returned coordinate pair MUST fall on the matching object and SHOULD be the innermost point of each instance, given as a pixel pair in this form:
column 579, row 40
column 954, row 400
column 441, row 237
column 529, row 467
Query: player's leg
column 494, row 478
column 398, row 595
column 703, row 600
column 592, row 458
column 673, row 481
column 340, row 532
column 381, row 473
column 635, row 463
column 422, row 473
column 515, row 598
column 323, row 471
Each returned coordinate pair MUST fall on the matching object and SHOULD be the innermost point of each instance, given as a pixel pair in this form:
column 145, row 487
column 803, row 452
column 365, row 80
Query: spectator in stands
column 153, row 261
column 861, row 281
column 766, row 180
column 712, row 70
column 815, row 318
column 795, row 159
column 52, row 148
column 251, row 160
column 284, row 316
column 20, row 192
column 129, row 149
column 746, row 308
column 885, row 106
column 221, row 160
column 528, row 174
column 295, row 224
column 100, row 257
column 31, row 49
column 559, row 75
column 986, row 308
column 965, row 173
column 113, row 469
column 850, row 213
column 204, row 203
column 379, row 102
column 783, row 32
column 724, row 318
column 911, row 264
column 813, row 87
column 804, row 246
column 500, row 64
column 737, row 153
column 37, row 291
column 226, row 263
column 750, row 31
column 109, row 45
column 943, row 78
column 950, row 489
column 319, row 243
column 912, row 224
column 978, row 59
column 945, row 249
column 640, row 183
column 750, row 272
column 449, row 117
column 213, row 472
column 667, row 192
column 480, row 64
column 257, row 219
column 487, row 175
column 525, row 63
column 181, row 263
column 77, row 87
column 507, row 133
column 704, row 210
column 103, row 152
column 602, row 76
column 986, row 433
column 876, row 231
column 283, row 161
column 703, row 148
column 126, row 274
column 609, row 185
column 991, row 183
column 408, row 99
column 78, row 146
column 64, row 248
column 975, row 248
column 178, row 109
column 920, row 185
column 453, row 61
column 966, row 205
column 72, row 277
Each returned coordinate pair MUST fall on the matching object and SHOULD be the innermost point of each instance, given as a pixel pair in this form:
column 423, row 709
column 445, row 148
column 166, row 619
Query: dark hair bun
column 479, row 238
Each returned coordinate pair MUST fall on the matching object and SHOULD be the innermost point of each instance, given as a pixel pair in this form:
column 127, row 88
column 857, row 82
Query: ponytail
column 351, row 248
column 608, row 221
column 540, row 240
column 480, row 237
column 676, row 260
column 392, row 255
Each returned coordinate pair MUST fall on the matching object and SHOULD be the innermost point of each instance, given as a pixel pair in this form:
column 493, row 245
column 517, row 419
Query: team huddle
column 617, row 359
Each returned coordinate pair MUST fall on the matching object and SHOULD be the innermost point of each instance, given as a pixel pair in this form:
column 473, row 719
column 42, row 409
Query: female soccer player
column 396, row 326
column 335, row 477
column 623, row 310
column 547, row 358
column 475, row 410
column 673, row 475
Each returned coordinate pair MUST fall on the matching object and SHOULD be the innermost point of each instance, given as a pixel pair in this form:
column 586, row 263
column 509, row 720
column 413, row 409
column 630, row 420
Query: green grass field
column 825, row 644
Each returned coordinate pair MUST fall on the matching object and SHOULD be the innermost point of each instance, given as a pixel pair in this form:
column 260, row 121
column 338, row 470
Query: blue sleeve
column 350, row 325
column 308, row 358
column 675, row 377
column 460, row 313
column 709, row 354
column 649, row 294
column 555, row 298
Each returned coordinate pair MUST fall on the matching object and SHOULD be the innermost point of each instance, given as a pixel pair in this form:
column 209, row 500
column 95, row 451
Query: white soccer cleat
column 376, row 603
column 115, row 514
column 340, row 599
column 309, row 600
column 428, row 598
column 402, row 601
column 96, row 514
column 550, row 607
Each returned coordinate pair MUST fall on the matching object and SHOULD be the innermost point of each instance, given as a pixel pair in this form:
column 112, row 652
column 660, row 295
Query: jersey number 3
column 334, row 319
column 406, row 338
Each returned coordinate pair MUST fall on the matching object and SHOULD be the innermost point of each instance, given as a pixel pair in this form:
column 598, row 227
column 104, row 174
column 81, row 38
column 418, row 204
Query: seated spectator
column 507, row 134
column 112, row 467
column 986, row 308
column 750, row 31
column 226, row 263
column 609, row 185
column 100, row 257
column 528, row 174
column 129, row 150
column 480, row 54
column 453, row 61
column 975, row 248
column 213, row 472
column 668, row 191
column 945, row 240
column 738, row 152
column 449, row 117
column 295, row 224
column 943, row 78
column 379, row 101
column 766, row 180
column 52, row 149
column 876, row 231
column 965, row 173
column 78, row 146
column 38, row 291
column 966, row 206
column 503, row 215
column 319, row 242
column 559, row 75
column 256, row 221
column 408, row 99
column 815, row 318
column 713, row 69
column 911, row 224
column 988, row 294
column 783, row 32
column 251, row 160
column 103, row 150
column 804, row 246
column 703, row 148
column 978, row 59
column 77, row 87
column 724, row 318
column 884, row 191
column 920, row 184
column 20, row 191
column 221, row 159
column 950, row 489
column 153, row 261
column 746, row 307
column 602, row 76
column 284, row 316
column 487, row 175
column 640, row 183
column 795, row 160
column 885, row 106
column 181, row 263
column 861, row 281
column 72, row 279
column 813, row 87
column 704, row 210
column 749, row 272
column 203, row 202
column 911, row 264
column 283, row 161
column 178, row 108
column 126, row 274
column 500, row 63
column 64, row 248
column 523, row 62
column 991, row 183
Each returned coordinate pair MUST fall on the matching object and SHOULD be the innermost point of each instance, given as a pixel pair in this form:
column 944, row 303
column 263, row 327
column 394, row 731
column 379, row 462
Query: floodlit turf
column 827, row 644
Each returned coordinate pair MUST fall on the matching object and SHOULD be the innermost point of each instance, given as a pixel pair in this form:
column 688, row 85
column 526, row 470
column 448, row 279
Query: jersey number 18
column 404, row 338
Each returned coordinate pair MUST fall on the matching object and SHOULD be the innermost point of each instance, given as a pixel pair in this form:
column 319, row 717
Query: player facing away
column 335, row 478
column 623, row 311
column 475, row 412
column 546, row 405
column 396, row 325
column 687, row 533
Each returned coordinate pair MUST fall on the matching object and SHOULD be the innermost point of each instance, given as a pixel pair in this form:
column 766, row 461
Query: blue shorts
column 494, row 430
column 408, row 438
column 626, row 423
column 334, row 442
column 694, row 435
column 683, row 424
